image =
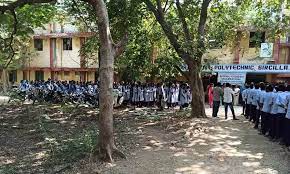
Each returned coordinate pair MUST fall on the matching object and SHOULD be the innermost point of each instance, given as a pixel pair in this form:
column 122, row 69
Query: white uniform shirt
column 228, row 92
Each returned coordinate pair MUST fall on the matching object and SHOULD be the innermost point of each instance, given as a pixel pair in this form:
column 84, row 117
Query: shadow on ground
column 54, row 139
column 203, row 146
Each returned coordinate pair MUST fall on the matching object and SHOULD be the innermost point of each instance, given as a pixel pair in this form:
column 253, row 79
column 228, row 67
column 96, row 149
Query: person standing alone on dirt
column 217, row 94
column 228, row 100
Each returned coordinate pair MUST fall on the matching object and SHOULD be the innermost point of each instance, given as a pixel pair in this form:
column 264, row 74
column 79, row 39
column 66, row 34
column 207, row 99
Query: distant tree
column 16, row 29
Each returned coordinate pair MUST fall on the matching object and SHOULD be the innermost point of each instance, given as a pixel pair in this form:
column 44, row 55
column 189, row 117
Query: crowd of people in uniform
column 266, row 105
column 269, row 103
column 136, row 93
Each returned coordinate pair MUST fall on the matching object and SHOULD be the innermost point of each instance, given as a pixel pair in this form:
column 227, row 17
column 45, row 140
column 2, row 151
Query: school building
column 255, row 54
column 57, row 56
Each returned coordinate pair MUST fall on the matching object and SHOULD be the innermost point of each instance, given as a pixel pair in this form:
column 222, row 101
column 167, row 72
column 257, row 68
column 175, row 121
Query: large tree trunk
column 197, row 92
column 5, row 81
column 106, row 136
column 107, row 53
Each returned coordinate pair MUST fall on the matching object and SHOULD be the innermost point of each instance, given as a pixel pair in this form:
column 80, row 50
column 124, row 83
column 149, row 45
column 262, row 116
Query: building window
column 39, row 75
column 13, row 76
column 256, row 38
column 38, row 44
column 66, row 73
column 67, row 43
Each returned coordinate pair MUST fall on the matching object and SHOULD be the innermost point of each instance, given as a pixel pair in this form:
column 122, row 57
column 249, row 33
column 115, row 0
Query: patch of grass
column 154, row 117
column 67, row 108
column 73, row 149
column 8, row 169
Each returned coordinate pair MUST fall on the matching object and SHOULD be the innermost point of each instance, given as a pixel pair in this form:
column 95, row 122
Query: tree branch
column 184, row 73
column 159, row 6
column 76, row 8
column 10, row 45
column 166, row 28
column 201, row 28
column 184, row 23
column 166, row 3
column 165, row 10
column 120, row 46
column 20, row 3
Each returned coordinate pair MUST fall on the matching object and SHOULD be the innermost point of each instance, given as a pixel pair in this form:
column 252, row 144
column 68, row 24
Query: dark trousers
column 271, row 123
column 279, row 128
column 244, row 107
column 232, row 109
column 215, row 108
column 257, row 120
column 264, row 126
column 247, row 111
column 286, row 131
column 253, row 113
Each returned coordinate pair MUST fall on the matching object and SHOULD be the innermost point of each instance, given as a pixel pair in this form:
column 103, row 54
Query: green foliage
column 74, row 149
column 8, row 169
column 15, row 44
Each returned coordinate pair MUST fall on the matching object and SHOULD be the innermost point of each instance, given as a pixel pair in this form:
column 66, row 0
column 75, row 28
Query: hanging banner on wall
column 249, row 68
column 232, row 78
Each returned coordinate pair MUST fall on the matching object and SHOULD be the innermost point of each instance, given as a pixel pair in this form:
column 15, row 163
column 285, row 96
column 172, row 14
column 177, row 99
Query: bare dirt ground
column 54, row 139
column 223, row 147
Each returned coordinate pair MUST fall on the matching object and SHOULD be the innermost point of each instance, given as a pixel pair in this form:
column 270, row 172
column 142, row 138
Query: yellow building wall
column 42, row 58
column 65, row 58
column 248, row 55
column 68, row 58
column 19, row 76
column 31, row 75
column 91, row 76
column 47, row 75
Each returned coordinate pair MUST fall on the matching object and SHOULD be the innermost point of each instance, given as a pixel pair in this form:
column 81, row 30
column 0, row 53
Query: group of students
column 150, row 94
column 135, row 93
column 269, row 103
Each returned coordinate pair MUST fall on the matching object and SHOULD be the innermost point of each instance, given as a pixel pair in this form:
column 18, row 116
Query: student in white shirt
column 244, row 97
column 228, row 100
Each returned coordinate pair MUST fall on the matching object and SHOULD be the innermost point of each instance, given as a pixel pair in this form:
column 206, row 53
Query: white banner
column 266, row 50
column 249, row 68
column 232, row 78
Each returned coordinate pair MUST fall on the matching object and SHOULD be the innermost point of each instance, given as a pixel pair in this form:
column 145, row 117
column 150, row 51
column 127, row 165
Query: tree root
column 107, row 154
column 119, row 153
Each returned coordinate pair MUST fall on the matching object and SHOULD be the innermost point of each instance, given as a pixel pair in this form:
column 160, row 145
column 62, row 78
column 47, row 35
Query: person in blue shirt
column 259, row 105
column 266, row 109
column 249, row 100
column 278, row 112
column 286, row 119
column 253, row 95
column 281, row 112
